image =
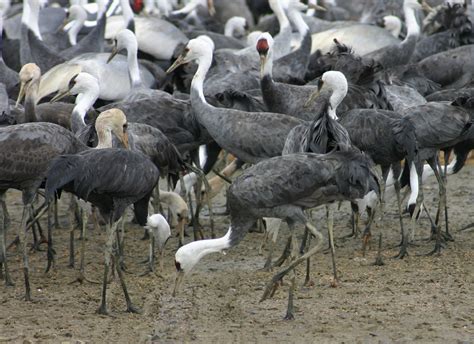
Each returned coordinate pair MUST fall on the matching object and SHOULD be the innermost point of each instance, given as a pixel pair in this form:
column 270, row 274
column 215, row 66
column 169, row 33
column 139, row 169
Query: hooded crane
column 250, row 136
column 282, row 187
column 387, row 138
column 323, row 135
column 58, row 112
column 111, row 179
column 439, row 126
column 400, row 54
column 25, row 153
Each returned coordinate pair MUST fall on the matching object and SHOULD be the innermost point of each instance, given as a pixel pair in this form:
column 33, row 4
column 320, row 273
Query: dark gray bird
column 400, row 54
column 451, row 69
column 7, row 75
column 388, row 139
column 323, row 135
column 32, row 48
column 111, row 179
column 250, row 136
column 281, row 97
column 25, row 153
column 440, row 126
column 453, row 28
column 57, row 112
column 283, row 187
column 366, row 82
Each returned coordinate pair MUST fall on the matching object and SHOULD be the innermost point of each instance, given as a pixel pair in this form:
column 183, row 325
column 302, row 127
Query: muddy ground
column 420, row 298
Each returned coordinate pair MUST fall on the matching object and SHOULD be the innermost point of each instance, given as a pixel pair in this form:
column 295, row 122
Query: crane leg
column 56, row 213
column 367, row 233
column 72, row 220
column 378, row 259
column 156, row 200
column 447, row 236
column 51, row 251
column 330, row 219
column 355, row 218
column 116, row 255
column 82, row 275
column 3, row 251
column 285, row 254
column 273, row 284
column 442, row 199
column 399, row 203
column 109, row 242
column 405, row 235
column 23, row 233
column 291, row 292
column 121, row 243
column 307, row 279
column 150, row 262
column 304, row 240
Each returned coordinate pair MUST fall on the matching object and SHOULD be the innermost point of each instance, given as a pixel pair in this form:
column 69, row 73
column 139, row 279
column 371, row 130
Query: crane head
column 29, row 73
column 197, row 48
column 113, row 120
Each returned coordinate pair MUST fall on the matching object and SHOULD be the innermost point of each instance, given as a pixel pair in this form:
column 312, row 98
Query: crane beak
column 317, row 7
column 21, row 94
column 178, row 281
column 63, row 25
column 211, row 8
column 124, row 139
column 263, row 62
column 60, row 95
column 179, row 61
column 112, row 54
column 425, row 6
column 311, row 98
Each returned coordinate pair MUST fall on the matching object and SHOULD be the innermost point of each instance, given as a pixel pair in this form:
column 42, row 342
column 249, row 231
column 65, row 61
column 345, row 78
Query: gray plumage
column 451, row 69
column 250, row 136
column 173, row 117
column 396, row 54
column 109, row 178
column 25, row 153
column 322, row 135
column 284, row 186
column 32, row 49
column 384, row 135
column 439, row 125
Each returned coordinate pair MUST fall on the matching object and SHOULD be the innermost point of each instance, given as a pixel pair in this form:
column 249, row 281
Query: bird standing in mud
column 282, row 187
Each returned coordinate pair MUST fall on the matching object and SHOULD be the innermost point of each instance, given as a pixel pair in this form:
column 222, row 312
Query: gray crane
column 283, row 187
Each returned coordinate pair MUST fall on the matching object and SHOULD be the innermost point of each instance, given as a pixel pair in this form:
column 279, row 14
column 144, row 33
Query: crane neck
column 266, row 65
column 30, row 17
column 413, row 29
column 297, row 19
column 77, row 25
column 101, row 8
column 337, row 96
column 84, row 102
column 276, row 7
column 193, row 252
column 127, row 12
column 105, row 137
column 310, row 12
column 133, row 67
column 230, row 27
column 31, row 96
column 197, row 85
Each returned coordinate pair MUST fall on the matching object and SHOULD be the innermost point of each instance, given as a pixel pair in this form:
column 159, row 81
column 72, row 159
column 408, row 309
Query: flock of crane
column 317, row 99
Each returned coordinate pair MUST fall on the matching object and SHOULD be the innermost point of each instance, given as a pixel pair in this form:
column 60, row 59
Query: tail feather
column 62, row 171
